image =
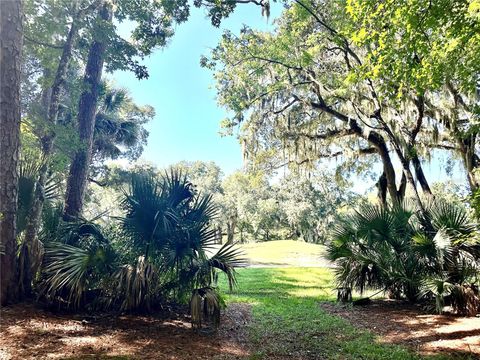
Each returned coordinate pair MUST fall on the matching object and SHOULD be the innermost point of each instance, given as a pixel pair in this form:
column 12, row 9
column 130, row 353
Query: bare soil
column 31, row 333
column 402, row 323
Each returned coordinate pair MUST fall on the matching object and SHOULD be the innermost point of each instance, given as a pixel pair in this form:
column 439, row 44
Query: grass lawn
column 285, row 253
column 289, row 324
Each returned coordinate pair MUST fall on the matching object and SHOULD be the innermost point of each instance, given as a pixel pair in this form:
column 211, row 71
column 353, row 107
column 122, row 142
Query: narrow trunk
column 410, row 180
column 47, row 140
column 231, row 225
column 402, row 188
column 11, row 40
column 87, row 108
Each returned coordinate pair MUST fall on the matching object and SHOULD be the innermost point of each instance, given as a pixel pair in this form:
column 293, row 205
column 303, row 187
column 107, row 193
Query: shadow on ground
column 406, row 324
column 32, row 333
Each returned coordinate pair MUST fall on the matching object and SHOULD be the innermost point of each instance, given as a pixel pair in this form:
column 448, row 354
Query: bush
column 430, row 254
column 157, row 252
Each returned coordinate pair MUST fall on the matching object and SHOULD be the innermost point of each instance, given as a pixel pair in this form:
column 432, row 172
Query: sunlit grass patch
column 285, row 253
column 289, row 323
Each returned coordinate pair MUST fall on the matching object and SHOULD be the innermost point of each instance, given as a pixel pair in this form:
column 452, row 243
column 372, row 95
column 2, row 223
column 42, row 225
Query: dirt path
column 405, row 324
column 31, row 333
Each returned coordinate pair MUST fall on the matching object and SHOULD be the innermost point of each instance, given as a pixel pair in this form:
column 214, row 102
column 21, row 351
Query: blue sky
column 186, row 125
column 187, row 121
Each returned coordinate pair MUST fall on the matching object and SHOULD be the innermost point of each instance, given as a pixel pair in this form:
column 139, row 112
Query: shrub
column 159, row 252
column 409, row 253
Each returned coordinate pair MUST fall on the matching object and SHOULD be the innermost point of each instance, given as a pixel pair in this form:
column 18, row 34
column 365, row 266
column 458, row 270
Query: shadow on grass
column 289, row 323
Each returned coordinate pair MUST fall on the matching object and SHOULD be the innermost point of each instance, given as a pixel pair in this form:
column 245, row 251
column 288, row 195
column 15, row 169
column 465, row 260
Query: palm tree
column 169, row 224
column 31, row 250
column 119, row 126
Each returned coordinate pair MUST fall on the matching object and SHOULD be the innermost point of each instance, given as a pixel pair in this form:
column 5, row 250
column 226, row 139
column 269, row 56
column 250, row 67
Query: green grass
column 289, row 323
column 284, row 253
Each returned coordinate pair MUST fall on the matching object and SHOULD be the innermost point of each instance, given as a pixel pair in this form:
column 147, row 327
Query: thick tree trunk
column 78, row 175
column 11, row 41
column 421, row 175
column 470, row 161
column 388, row 170
column 374, row 138
column 382, row 189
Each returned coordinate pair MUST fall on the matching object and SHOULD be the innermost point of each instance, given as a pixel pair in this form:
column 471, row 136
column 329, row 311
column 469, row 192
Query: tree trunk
column 466, row 142
column 410, row 180
column 391, row 181
column 382, row 189
column 231, row 225
column 417, row 166
column 87, row 108
column 11, row 41
column 470, row 160
column 47, row 140
column 402, row 188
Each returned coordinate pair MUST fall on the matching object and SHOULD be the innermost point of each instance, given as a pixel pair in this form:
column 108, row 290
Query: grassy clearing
column 285, row 253
column 288, row 323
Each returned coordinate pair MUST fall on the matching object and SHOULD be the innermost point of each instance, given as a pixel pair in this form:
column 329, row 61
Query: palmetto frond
column 397, row 248
column 171, row 223
column 69, row 271
column 29, row 170
column 227, row 259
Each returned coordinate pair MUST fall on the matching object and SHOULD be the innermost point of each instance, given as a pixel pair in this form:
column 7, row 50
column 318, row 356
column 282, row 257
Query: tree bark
column 417, row 166
column 374, row 138
column 465, row 142
column 378, row 142
column 87, row 108
column 382, row 189
column 470, row 160
column 11, row 41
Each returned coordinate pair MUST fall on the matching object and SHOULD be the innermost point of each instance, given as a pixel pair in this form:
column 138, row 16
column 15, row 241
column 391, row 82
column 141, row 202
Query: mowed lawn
column 288, row 323
column 285, row 253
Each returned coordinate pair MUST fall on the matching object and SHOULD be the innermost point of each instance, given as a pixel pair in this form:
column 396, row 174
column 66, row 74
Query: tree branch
column 41, row 43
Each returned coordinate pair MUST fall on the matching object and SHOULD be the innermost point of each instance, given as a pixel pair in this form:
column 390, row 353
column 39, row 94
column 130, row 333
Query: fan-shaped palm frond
column 69, row 271
column 227, row 259
column 398, row 248
column 29, row 170
column 172, row 223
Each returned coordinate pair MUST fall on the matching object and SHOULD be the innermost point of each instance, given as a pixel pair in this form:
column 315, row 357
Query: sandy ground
column 401, row 323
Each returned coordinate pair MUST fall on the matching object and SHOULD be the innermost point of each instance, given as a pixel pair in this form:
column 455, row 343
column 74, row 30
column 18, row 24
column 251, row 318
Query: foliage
column 205, row 306
column 119, row 126
column 418, row 44
column 160, row 251
column 407, row 252
column 340, row 80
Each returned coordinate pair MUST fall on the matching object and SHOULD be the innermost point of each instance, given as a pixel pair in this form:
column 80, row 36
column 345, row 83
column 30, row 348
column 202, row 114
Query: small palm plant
column 162, row 252
column 169, row 225
column 408, row 253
